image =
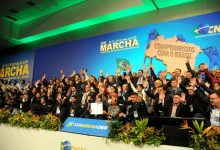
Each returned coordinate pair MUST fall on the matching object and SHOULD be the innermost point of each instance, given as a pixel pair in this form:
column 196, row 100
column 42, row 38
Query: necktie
column 173, row 114
column 174, row 92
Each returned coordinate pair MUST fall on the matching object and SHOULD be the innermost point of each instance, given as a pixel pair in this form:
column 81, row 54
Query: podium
column 171, row 127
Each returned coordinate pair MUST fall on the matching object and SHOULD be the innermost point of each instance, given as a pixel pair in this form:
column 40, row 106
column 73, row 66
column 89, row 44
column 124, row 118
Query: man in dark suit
column 174, row 89
column 62, row 107
column 215, row 112
column 25, row 103
column 197, row 102
column 73, row 92
column 138, row 79
column 123, row 95
column 126, row 91
column 136, row 109
column 161, row 100
column 75, row 107
column 177, row 109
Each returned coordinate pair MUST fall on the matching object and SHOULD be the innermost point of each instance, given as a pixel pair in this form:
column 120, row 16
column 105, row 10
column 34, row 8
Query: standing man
column 215, row 113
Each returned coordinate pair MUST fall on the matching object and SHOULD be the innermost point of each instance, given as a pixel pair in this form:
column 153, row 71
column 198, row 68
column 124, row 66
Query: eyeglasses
column 213, row 98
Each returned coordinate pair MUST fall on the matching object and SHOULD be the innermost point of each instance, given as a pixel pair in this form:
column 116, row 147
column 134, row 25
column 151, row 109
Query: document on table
column 97, row 108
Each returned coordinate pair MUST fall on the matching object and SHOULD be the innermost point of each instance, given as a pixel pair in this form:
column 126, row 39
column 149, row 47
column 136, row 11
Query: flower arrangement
column 50, row 122
column 206, row 139
column 139, row 135
column 4, row 116
column 29, row 120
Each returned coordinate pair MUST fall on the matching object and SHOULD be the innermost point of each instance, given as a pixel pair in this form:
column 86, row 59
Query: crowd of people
column 126, row 96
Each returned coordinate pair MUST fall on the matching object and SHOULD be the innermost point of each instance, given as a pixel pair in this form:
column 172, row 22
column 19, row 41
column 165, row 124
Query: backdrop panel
column 166, row 44
column 14, row 66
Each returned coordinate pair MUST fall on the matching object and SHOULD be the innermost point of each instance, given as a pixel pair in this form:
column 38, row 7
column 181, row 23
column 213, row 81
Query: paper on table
column 97, row 108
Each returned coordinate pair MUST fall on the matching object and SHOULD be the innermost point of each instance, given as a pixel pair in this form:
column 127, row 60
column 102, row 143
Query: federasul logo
column 66, row 145
column 204, row 30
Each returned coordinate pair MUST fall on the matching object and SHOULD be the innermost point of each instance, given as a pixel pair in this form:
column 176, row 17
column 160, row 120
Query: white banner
column 13, row 138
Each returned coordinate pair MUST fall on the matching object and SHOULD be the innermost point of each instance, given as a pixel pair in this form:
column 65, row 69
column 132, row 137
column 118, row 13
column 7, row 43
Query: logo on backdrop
column 119, row 44
column 66, row 145
column 204, row 30
column 15, row 70
column 86, row 126
column 89, row 126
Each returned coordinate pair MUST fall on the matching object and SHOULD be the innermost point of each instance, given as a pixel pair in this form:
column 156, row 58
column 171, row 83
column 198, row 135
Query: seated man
column 177, row 109
column 162, row 99
column 136, row 109
column 113, row 108
column 75, row 107
column 174, row 89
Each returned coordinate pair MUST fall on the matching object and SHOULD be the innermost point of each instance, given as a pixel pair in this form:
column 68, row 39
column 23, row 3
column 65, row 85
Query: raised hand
column 193, row 81
column 100, row 72
column 63, row 75
column 118, row 71
column 44, row 76
column 119, row 89
column 200, row 80
column 101, row 90
column 151, row 67
column 127, row 77
column 145, row 84
column 20, row 77
column 128, row 68
column 205, row 67
column 187, row 59
column 84, row 71
column 106, row 75
column 196, row 69
column 122, row 115
column 104, row 82
column 183, row 97
column 74, row 72
column 161, row 97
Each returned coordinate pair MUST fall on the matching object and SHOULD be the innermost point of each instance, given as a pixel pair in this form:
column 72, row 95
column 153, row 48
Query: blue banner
column 164, row 44
column 86, row 126
column 17, row 66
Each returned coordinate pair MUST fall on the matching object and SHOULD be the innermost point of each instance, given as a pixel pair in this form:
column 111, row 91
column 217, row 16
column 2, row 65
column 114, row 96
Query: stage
column 13, row 138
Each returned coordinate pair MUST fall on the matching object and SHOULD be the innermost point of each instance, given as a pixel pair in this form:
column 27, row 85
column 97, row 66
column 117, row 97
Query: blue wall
column 86, row 53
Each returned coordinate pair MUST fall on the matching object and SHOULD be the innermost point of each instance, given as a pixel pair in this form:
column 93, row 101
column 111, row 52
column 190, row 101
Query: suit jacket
column 135, row 80
column 172, row 92
column 160, row 108
column 181, row 111
column 126, row 94
column 121, row 100
column 64, row 108
column 140, row 107
column 77, row 108
column 198, row 102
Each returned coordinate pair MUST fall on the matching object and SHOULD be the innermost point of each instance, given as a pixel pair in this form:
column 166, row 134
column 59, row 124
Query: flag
column 122, row 64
